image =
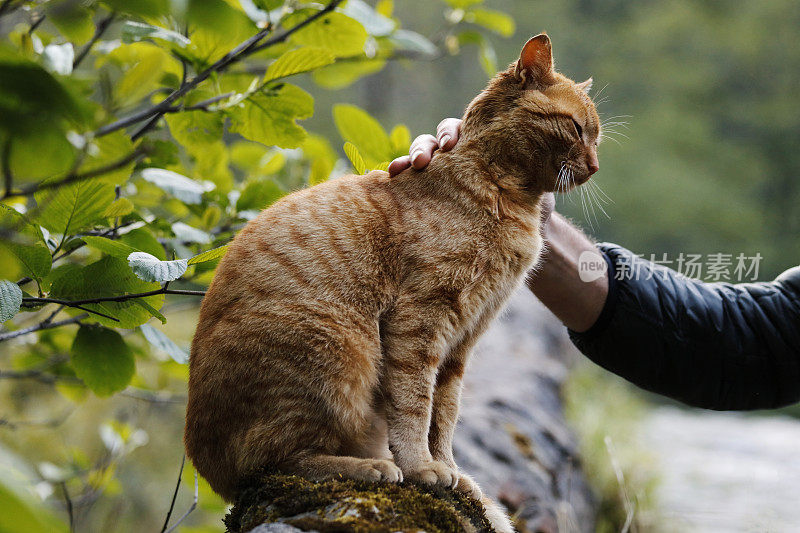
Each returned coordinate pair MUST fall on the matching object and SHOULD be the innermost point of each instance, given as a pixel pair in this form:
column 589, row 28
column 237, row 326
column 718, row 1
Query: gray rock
column 512, row 436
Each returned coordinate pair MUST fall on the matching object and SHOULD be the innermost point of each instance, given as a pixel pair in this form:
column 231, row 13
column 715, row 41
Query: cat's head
column 533, row 118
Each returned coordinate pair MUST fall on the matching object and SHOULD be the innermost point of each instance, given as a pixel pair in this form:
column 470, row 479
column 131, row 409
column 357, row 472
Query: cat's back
column 327, row 246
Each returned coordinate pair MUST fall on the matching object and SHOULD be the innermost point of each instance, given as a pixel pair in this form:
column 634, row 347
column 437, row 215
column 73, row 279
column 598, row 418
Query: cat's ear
column 585, row 86
column 535, row 65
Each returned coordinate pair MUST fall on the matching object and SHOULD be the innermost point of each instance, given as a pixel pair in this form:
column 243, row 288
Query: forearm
column 711, row 345
column 556, row 281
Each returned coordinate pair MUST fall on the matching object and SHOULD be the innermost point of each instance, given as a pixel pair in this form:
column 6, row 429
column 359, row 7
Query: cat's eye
column 578, row 128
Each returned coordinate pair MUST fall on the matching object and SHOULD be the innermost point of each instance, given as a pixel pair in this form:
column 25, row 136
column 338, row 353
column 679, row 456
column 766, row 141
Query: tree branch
column 243, row 50
column 121, row 298
column 132, row 157
column 8, row 178
column 40, row 326
column 8, row 6
column 102, row 26
column 174, row 494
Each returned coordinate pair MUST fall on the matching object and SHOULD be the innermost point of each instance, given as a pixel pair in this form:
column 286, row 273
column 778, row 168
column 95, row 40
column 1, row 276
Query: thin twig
column 121, row 298
column 8, row 6
column 36, row 24
column 153, row 396
column 40, row 326
column 174, row 494
column 110, row 233
column 132, row 157
column 246, row 48
column 102, row 26
column 8, row 177
column 191, row 508
column 68, row 500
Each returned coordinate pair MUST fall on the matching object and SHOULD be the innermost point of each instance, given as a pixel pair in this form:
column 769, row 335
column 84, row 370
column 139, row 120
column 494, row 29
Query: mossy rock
column 357, row 506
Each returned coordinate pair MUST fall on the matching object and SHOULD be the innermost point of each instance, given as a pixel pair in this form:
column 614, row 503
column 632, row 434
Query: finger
column 399, row 165
column 447, row 133
column 422, row 151
column 547, row 206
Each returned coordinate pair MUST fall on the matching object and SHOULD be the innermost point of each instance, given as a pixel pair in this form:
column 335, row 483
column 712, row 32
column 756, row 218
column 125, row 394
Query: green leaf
column 35, row 258
column 209, row 255
column 72, row 19
column 336, row 32
column 143, row 65
column 374, row 22
column 27, row 512
column 358, row 127
column 462, row 4
column 70, row 208
column 344, row 73
column 497, row 21
column 385, row 7
column 138, row 31
column 107, row 277
column 322, row 156
column 149, row 268
column 400, row 139
column 218, row 17
column 110, row 247
column 143, row 240
column 40, row 153
column 259, row 194
column 184, row 189
column 201, row 134
column 487, row 56
column 10, row 299
column 297, row 61
column 150, row 309
column 412, row 41
column 118, row 208
column 269, row 117
column 196, row 129
column 145, row 8
column 107, row 150
column 355, row 157
column 102, row 360
column 30, row 97
column 159, row 340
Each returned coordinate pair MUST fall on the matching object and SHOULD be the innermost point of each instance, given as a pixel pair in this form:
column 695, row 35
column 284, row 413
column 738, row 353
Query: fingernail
column 444, row 140
column 415, row 156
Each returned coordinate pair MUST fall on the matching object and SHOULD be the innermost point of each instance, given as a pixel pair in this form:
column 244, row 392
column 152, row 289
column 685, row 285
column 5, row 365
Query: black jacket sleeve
column 712, row 345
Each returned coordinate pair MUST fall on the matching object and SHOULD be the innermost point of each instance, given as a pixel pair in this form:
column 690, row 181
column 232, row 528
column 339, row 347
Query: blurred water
column 725, row 472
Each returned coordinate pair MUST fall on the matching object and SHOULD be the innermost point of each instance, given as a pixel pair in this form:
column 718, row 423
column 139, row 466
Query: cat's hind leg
column 318, row 467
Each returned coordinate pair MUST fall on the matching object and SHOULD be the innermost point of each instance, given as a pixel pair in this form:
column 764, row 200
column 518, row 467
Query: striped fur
column 334, row 336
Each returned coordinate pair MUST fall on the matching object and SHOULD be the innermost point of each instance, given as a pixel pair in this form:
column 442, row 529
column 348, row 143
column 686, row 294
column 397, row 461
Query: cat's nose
column 592, row 164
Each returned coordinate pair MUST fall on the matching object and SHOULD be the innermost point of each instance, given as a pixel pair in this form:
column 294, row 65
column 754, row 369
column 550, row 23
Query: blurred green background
column 709, row 160
column 706, row 163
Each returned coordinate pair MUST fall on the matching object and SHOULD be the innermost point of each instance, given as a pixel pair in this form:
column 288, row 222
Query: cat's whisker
column 614, row 132
column 598, row 200
column 585, row 209
column 596, row 96
column 606, row 198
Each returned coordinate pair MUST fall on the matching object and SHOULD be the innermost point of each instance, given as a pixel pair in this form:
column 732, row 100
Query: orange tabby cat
column 334, row 336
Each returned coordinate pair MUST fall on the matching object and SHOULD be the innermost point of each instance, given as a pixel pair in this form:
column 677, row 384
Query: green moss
column 353, row 506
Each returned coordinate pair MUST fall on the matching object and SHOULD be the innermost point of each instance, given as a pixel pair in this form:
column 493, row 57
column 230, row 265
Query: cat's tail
column 497, row 516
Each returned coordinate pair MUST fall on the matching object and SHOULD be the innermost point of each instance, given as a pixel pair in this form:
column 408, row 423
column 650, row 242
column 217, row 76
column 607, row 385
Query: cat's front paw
column 433, row 473
column 468, row 486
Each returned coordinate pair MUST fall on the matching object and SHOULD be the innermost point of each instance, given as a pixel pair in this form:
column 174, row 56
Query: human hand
column 423, row 147
column 447, row 133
